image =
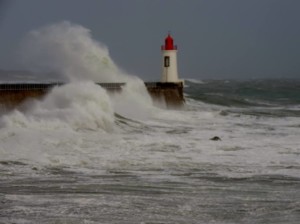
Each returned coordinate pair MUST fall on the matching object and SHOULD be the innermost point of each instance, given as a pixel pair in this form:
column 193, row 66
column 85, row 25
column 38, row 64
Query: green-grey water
column 164, row 169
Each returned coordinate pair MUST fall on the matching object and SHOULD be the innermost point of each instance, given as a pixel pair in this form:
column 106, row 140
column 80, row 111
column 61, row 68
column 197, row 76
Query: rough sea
column 83, row 156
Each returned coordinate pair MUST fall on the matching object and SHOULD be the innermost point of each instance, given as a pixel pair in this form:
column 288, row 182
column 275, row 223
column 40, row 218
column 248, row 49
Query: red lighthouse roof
column 169, row 43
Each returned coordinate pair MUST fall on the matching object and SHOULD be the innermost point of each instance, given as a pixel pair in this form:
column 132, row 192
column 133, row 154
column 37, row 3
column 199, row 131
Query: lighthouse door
column 167, row 61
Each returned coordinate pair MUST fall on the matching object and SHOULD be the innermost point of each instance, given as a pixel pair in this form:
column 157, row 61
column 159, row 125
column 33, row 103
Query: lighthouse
column 169, row 61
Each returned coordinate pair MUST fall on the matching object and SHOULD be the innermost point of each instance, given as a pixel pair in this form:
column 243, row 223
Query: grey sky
column 216, row 38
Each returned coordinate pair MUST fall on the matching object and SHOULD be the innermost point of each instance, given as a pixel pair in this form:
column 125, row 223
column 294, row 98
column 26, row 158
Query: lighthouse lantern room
column 169, row 61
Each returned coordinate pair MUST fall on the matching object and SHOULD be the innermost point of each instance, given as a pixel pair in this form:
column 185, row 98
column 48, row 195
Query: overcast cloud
column 215, row 38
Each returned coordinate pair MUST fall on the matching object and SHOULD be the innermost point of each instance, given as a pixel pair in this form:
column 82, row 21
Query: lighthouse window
column 167, row 61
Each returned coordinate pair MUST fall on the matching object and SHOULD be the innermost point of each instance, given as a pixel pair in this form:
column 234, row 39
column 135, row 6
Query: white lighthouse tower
column 169, row 61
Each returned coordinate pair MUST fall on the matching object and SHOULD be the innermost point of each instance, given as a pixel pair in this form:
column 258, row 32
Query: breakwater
column 15, row 94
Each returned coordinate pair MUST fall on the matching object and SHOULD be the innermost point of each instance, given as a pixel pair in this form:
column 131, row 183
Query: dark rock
column 216, row 138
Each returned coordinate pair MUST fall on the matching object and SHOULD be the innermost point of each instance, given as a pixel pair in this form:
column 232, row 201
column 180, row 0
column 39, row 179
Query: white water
column 75, row 124
column 68, row 51
column 69, row 115
column 82, row 156
column 83, row 134
column 162, row 169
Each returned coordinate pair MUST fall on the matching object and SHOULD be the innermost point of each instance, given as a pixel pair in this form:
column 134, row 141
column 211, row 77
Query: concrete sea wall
column 14, row 95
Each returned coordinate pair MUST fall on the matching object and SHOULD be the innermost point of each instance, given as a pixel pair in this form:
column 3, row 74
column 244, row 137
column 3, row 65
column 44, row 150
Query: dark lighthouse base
column 169, row 93
column 13, row 95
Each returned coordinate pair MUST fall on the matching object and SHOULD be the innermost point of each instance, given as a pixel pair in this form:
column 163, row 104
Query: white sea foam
column 74, row 127
column 69, row 125
column 166, row 151
column 51, row 127
column 170, row 140
column 81, row 105
column 134, row 102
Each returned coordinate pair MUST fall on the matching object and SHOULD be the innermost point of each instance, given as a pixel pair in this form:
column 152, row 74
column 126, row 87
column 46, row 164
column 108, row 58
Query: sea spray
column 74, row 124
column 69, row 51
column 134, row 102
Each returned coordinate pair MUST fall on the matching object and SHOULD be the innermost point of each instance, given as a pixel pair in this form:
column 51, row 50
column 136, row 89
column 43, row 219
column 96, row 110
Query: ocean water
column 83, row 156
